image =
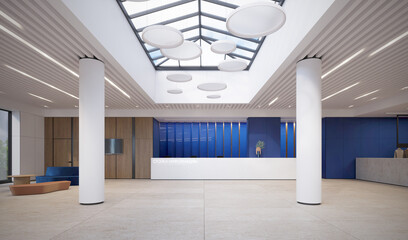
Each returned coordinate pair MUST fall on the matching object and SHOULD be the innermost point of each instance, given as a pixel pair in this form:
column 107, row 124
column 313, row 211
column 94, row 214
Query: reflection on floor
column 250, row 210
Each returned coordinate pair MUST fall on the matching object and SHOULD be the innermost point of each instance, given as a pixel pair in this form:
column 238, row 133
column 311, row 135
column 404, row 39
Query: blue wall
column 267, row 130
column 345, row 139
column 202, row 139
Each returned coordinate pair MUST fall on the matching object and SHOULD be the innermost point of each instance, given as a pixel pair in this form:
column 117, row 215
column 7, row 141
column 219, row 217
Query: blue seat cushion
column 62, row 171
column 74, row 179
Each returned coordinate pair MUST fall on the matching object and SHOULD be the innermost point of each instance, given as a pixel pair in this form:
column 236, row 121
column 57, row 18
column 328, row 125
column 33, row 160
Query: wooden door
column 62, row 152
column 62, row 127
column 124, row 160
column 144, row 152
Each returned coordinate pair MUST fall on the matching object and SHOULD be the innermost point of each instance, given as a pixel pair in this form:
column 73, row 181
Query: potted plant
column 259, row 146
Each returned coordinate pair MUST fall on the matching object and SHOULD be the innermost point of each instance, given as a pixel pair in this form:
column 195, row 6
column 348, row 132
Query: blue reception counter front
column 223, row 168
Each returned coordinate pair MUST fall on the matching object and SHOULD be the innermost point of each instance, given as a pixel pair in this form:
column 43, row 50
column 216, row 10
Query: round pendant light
column 179, row 77
column 186, row 51
column 162, row 36
column 223, row 46
column 232, row 65
column 175, row 91
column 256, row 20
column 213, row 96
column 212, row 86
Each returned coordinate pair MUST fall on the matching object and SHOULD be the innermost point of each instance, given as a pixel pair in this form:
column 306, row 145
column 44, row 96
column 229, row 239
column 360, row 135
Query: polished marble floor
column 250, row 210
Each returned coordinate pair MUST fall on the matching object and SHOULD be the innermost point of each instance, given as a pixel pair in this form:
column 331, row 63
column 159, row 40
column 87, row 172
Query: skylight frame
column 158, row 60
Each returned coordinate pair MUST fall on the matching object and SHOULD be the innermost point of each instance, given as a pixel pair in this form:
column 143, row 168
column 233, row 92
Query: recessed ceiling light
column 289, row 106
column 116, row 86
column 8, row 18
column 342, row 90
column 38, row 80
column 40, row 97
column 76, row 106
column 404, row 88
column 364, row 95
column 137, row 106
column 351, row 106
column 259, row 106
column 373, row 98
column 274, row 100
column 106, row 106
column 45, row 106
column 167, row 106
column 342, row 63
column 38, row 50
column 389, row 43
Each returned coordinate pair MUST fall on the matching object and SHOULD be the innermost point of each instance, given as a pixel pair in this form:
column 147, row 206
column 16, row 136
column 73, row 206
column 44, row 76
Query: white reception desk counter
column 223, row 168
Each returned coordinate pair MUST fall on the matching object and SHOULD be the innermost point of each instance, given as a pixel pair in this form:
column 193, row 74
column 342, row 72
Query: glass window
column 5, row 162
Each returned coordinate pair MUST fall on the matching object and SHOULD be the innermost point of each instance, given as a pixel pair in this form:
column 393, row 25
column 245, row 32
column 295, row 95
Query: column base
column 92, row 203
column 313, row 204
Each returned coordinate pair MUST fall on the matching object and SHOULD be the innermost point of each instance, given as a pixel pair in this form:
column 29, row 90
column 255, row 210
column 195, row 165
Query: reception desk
column 383, row 170
column 223, row 168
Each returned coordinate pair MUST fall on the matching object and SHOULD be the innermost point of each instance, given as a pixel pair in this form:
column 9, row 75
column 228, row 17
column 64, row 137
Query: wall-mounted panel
column 195, row 141
column 220, row 139
column 163, row 139
column 211, row 140
column 243, row 140
column 179, row 132
column 267, row 130
column 144, row 152
column 227, row 139
column 144, row 128
column 203, row 140
column 62, row 127
column 171, row 139
column 187, row 139
column 235, row 140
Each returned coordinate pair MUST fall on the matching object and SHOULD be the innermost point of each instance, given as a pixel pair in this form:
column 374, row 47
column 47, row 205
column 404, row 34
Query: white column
column 91, row 131
column 309, row 131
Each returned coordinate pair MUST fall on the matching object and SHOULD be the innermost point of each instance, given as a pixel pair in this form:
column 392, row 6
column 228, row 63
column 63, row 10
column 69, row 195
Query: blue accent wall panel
column 203, row 140
column 283, row 139
column 156, row 138
column 220, row 139
column 345, row 139
column 179, row 131
column 171, row 137
column 267, row 130
column 235, row 140
column 195, row 141
column 243, row 142
column 211, row 139
column 187, row 140
column 403, row 130
column 291, row 139
column 163, row 139
column 227, row 139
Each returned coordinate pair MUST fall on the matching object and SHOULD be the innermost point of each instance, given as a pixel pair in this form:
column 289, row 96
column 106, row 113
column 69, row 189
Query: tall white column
column 309, row 131
column 91, row 131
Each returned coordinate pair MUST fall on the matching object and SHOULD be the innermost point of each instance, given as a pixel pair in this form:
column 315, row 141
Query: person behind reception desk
column 399, row 153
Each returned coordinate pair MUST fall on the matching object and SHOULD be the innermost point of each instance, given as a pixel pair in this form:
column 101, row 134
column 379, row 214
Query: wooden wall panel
column 144, row 152
column 62, row 127
column 110, row 166
column 76, row 141
column 144, row 128
column 62, row 152
column 110, row 127
column 124, row 127
column 48, row 143
column 124, row 161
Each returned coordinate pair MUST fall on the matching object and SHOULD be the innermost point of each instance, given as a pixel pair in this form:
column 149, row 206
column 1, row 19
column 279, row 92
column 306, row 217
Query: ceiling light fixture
column 40, row 97
column 38, row 80
column 389, row 43
column 373, row 98
column 76, row 106
column 38, row 50
column 404, row 88
column 365, row 95
column 342, row 63
column 45, row 106
column 342, row 90
column 52, row 59
column 351, row 106
column 116, row 86
column 274, row 100
column 8, row 18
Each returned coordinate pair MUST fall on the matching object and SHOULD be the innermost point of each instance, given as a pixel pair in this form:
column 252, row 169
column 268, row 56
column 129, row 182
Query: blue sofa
column 60, row 174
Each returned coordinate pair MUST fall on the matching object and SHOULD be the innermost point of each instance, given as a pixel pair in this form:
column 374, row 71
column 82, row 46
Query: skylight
column 200, row 21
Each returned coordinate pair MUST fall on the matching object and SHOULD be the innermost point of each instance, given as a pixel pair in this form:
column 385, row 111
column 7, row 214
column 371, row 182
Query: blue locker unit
column 195, row 140
column 171, row 137
column 211, row 140
column 227, row 139
column 179, row 139
column 220, row 139
column 243, row 139
column 187, row 140
column 203, row 140
column 235, row 140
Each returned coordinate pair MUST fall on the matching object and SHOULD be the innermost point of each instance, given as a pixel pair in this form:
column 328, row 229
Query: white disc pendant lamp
column 256, row 20
column 186, row 51
column 175, row 91
column 223, row 46
column 212, row 86
column 213, row 96
column 162, row 36
column 232, row 65
column 179, row 77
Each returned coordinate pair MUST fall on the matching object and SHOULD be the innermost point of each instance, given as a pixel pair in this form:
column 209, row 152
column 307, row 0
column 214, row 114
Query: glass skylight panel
column 200, row 21
column 135, row 7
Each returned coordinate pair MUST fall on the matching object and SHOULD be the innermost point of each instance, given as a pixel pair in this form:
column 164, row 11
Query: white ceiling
column 359, row 25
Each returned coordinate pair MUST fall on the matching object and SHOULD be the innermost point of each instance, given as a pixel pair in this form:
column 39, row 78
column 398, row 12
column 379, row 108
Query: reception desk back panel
column 345, row 139
column 205, row 139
